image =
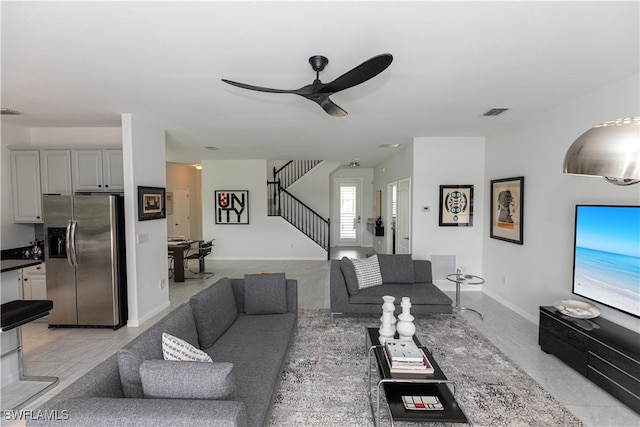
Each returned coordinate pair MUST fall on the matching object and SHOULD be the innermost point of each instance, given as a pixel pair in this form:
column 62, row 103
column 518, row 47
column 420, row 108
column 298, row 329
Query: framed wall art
column 507, row 207
column 151, row 203
column 456, row 206
column 232, row 206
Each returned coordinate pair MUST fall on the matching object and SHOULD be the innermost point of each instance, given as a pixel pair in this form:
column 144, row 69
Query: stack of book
column 407, row 360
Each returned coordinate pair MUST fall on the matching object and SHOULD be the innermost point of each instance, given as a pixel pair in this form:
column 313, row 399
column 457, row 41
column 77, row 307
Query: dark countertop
column 16, row 264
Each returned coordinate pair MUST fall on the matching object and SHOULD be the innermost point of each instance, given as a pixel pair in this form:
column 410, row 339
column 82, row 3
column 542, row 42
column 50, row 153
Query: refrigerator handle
column 74, row 255
column 67, row 243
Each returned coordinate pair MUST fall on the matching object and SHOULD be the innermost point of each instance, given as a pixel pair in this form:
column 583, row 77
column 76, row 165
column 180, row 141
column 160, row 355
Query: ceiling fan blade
column 258, row 88
column 360, row 74
column 331, row 108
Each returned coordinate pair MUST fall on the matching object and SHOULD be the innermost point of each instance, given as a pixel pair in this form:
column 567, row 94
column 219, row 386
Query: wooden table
column 178, row 248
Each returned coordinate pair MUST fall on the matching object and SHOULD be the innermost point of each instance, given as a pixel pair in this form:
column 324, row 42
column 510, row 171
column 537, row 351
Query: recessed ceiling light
column 389, row 145
column 212, row 148
column 9, row 111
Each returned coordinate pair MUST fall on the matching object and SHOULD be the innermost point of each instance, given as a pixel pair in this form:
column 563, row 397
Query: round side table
column 466, row 279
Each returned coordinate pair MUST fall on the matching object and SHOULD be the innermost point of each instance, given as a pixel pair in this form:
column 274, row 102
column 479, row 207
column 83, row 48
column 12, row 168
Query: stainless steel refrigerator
column 85, row 259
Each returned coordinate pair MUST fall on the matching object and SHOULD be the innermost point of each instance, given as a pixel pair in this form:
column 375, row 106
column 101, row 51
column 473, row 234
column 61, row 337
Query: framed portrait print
column 507, row 206
column 456, row 206
column 232, row 206
column 151, row 203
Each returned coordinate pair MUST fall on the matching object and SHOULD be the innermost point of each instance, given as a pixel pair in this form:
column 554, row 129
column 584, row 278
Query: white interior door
column 181, row 212
column 348, row 204
column 403, row 229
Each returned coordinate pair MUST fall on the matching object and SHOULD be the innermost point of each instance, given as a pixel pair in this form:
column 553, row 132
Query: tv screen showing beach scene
column 607, row 256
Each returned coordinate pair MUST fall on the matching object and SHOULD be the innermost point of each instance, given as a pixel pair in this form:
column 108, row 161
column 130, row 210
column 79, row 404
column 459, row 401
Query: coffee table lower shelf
column 395, row 388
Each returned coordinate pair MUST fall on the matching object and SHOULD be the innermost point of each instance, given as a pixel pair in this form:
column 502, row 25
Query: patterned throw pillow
column 174, row 348
column 367, row 272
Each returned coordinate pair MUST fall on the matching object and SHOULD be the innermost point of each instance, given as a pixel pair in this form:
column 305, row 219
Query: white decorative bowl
column 577, row 309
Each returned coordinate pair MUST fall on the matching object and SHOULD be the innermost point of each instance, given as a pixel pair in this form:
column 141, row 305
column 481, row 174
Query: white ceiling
column 81, row 64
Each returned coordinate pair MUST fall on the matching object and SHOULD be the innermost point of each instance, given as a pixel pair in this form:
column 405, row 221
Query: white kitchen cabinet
column 34, row 282
column 55, row 172
column 97, row 170
column 112, row 170
column 25, row 182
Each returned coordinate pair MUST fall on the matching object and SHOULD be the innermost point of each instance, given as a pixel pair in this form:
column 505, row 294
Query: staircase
column 284, row 204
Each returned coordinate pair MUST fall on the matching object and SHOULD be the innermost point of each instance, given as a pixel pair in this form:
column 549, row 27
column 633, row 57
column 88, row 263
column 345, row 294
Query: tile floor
column 69, row 353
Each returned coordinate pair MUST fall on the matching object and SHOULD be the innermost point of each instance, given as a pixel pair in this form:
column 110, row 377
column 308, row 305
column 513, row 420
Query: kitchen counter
column 17, row 264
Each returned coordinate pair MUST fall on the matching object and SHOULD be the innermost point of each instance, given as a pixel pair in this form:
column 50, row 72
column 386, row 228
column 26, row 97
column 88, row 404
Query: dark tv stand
column 604, row 352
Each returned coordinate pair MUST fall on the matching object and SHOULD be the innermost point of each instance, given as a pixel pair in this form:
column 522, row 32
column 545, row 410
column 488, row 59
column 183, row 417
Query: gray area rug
column 325, row 381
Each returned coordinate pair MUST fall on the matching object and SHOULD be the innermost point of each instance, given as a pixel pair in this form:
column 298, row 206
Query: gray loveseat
column 245, row 328
column 402, row 276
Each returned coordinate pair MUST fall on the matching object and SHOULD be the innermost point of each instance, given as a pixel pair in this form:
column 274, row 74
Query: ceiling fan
column 319, row 92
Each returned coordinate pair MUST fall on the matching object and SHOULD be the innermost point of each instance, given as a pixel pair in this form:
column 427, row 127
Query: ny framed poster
column 456, row 205
column 507, row 207
column 232, row 206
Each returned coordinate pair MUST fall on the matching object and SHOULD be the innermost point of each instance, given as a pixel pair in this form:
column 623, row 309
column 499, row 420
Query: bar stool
column 15, row 314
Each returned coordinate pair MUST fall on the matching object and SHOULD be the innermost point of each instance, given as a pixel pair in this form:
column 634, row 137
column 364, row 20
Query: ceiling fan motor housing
column 318, row 62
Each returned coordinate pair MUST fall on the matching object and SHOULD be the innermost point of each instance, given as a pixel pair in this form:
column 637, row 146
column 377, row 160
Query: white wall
column 76, row 137
column 264, row 237
column 448, row 161
column 144, row 164
column 314, row 188
column 11, row 235
column 540, row 271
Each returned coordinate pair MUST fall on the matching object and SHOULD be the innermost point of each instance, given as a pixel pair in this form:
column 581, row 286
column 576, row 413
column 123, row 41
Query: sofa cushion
column 420, row 293
column 396, row 268
column 148, row 345
column 214, row 310
column 349, row 274
column 173, row 348
column 368, row 272
column 265, row 293
column 169, row 379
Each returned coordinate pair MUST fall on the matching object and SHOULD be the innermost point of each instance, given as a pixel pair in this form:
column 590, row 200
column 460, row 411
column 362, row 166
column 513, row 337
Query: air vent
column 495, row 112
column 389, row 145
column 9, row 112
column 211, row 148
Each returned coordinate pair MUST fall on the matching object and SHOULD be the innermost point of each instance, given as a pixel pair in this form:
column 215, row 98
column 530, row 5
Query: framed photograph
column 456, row 205
column 169, row 202
column 507, row 206
column 151, row 203
column 232, row 206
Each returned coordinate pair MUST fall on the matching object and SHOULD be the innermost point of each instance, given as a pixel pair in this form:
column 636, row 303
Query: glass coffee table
column 395, row 388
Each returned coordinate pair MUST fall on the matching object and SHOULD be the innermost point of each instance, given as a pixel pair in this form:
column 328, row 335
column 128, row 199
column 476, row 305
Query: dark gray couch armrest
column 292, row 294
column 422, row 271
column 338, row 294
column 97, row 411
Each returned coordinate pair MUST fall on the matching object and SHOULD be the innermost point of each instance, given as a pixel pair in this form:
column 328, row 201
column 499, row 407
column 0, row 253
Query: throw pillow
column 265, row 293
column 173, row 348
column 214, row 310
column 396, row 268
column 367, row 272
column 169, row 379
column 349, row 274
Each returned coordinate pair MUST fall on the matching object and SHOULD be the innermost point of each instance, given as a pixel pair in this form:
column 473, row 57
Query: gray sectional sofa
column 245, row 325
column 402, row 276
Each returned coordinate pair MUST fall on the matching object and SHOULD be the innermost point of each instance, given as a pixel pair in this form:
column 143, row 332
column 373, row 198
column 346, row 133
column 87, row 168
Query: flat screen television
column 606, row 257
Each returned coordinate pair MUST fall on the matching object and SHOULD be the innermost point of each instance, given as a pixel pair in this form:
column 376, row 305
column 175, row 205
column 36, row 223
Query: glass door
column 349, row 216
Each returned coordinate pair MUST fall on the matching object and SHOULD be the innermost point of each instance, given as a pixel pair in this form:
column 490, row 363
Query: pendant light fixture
column 610, row 150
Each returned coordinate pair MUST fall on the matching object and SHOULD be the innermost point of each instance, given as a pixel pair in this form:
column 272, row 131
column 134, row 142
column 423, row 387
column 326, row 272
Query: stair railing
column 298, row 214
column 293, row 170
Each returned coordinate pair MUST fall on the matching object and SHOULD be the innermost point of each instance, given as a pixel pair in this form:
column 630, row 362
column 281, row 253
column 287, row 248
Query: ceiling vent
column 211, row 148
column 9, row 112
column 495, row 112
